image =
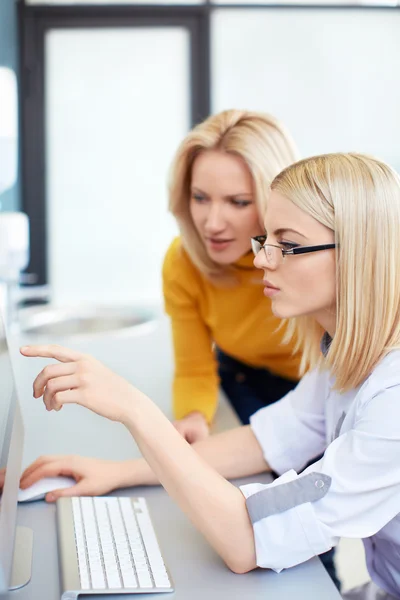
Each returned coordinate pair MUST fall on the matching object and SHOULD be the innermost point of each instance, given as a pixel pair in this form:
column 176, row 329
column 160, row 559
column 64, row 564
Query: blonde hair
column 262, row 143
column 358, row 197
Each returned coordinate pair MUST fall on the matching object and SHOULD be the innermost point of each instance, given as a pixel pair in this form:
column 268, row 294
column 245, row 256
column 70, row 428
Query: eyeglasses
column 275, row 254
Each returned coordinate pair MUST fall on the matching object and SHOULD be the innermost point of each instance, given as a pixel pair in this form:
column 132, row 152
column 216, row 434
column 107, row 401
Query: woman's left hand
column 80, row 379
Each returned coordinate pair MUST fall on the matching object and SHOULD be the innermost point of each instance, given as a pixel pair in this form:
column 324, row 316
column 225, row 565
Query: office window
column 117, row 106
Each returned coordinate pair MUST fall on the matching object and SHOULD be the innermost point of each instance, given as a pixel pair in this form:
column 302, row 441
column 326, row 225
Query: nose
column 215, row 221
column 260, row 262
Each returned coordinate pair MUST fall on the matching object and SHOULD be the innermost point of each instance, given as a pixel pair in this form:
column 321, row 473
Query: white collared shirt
column 353, row 491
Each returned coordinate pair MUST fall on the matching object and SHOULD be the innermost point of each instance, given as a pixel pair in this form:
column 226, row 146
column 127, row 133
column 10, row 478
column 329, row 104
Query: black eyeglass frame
column 261, row 239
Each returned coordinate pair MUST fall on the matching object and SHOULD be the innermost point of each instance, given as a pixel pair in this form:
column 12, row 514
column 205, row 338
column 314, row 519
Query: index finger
column 52, row 351
column 42, row 460
column 53, row 469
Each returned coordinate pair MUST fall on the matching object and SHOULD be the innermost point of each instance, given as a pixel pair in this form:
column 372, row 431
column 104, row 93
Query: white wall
column 331, row 75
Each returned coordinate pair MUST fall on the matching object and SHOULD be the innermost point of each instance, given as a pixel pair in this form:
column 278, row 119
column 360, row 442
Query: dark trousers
column 248, row 389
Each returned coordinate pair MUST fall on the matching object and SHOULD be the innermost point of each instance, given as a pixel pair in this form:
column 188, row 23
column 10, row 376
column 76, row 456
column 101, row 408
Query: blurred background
column 94, row 100
column 107, row 91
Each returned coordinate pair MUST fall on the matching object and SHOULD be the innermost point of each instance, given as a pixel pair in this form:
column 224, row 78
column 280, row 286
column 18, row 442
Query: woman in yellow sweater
column 224, row 332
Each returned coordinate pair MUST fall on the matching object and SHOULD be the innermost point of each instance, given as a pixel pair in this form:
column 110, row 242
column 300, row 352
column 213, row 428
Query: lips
column 218, row 244
column 269, row 285
column 218, row 240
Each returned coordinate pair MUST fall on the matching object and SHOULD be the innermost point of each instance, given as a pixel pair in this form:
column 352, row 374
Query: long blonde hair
column 358, row 197
column 262, row 143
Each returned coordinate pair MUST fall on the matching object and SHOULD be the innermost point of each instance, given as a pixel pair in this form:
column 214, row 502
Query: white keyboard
column 116, row 546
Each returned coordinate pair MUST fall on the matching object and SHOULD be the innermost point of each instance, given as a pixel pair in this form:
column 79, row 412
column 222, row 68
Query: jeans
column 248, row 389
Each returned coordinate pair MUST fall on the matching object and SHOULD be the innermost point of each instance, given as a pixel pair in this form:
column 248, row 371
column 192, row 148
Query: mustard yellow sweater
column 238, row 319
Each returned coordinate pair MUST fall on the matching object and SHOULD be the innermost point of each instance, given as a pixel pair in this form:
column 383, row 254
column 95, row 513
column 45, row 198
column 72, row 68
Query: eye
column 288, row 245
column 199, row 198
column 241, row 203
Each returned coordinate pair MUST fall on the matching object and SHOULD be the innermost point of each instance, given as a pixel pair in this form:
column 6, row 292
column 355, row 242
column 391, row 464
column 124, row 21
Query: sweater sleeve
column 195, row 384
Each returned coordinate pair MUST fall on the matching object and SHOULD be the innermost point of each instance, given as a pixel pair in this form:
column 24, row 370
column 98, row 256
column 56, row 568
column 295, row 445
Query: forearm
column 216, row 507
column 234, row 453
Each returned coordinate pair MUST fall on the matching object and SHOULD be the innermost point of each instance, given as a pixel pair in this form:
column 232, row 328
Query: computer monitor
column 15, row 542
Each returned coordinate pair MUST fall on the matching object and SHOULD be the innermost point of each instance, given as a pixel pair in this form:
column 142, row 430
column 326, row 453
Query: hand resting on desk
column 38, row 490
column 42, row 488
column 93, row 477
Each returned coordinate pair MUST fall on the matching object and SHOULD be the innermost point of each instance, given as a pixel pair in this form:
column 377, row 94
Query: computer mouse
column 38, row 490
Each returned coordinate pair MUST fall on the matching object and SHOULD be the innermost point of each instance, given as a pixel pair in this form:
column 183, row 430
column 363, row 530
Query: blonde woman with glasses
column 331, row 265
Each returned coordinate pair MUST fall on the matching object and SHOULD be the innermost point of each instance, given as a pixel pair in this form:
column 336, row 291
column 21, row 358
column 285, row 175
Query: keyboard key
column 129, row 578
column 85, row 584
column 114, row 581
column 162, row 581
column 160, row 575
column 98, row 581
column 144, row 579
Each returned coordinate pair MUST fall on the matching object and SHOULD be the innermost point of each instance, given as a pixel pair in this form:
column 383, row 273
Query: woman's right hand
column 193, row 427
column 94, row 477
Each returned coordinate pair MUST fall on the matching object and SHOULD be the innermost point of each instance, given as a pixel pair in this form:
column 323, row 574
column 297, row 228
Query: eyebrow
column 193, row 188
column 288, row 229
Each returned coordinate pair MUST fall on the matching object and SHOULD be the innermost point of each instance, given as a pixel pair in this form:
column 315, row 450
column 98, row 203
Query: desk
column 198, row 573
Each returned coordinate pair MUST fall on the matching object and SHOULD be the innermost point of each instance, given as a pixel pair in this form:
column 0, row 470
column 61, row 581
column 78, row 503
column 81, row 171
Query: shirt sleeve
column 292, row 431
column 352, row 491
column 195, row 384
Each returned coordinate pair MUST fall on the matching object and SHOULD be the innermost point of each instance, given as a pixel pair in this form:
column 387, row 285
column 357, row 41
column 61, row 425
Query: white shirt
column 353, row 491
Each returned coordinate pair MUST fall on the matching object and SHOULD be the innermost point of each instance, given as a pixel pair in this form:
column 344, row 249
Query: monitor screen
column 7, row 407
column 11, row 448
